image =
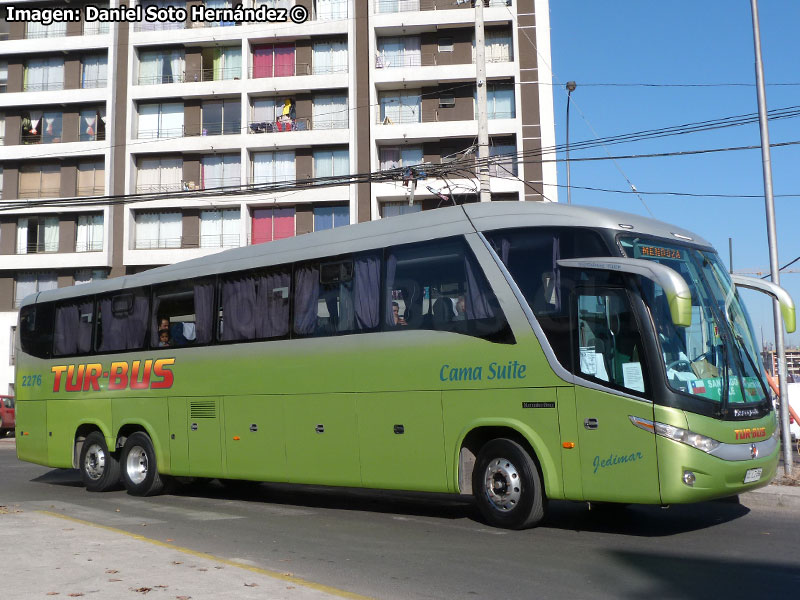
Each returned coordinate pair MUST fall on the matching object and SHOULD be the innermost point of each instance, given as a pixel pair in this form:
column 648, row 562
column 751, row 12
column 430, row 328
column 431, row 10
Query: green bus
column 518, row 352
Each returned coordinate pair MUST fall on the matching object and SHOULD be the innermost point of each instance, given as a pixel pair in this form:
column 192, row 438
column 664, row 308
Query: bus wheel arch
column 81, row 433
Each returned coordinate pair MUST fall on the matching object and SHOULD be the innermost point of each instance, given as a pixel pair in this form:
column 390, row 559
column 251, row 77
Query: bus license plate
column 752, row 475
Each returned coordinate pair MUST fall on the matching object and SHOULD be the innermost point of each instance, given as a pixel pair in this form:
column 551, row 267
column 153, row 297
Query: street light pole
column 772, row 240
column 483, row 117
column 571, row 85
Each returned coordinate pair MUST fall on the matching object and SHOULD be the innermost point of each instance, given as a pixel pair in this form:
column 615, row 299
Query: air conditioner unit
column 448, row 101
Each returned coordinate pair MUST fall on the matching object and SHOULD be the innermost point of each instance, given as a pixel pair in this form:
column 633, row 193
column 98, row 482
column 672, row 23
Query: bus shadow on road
column 62, row 477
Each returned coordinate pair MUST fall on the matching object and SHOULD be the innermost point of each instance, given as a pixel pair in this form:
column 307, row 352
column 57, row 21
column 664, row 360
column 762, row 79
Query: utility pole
column 571, row 85
column 483, row 116
column 780, row 350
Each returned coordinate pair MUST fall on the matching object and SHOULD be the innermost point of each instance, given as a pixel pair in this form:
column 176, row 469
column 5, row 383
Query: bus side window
column 185, row 310
column 36, row 329
column 609, row 342
column 72, row 333
column 255, row 305
column 439, row 285
column 122, row 321
column 337, row 296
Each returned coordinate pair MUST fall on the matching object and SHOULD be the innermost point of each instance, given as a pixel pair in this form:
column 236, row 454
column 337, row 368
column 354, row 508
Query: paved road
column 425, row 546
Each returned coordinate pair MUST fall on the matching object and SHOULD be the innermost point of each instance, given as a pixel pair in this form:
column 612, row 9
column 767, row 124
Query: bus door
column 618, row 459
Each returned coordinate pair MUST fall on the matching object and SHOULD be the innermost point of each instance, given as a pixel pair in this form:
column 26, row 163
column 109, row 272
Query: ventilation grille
column 203, row 410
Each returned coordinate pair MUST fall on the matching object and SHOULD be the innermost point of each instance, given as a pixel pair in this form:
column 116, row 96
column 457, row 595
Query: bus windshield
column 716, row 356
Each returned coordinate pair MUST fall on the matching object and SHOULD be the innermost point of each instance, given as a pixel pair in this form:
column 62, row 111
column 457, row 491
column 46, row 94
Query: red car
column 7, row 419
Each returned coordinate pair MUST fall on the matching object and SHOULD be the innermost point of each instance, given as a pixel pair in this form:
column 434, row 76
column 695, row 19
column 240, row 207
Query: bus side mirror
column 675, row 287
column 771, row 289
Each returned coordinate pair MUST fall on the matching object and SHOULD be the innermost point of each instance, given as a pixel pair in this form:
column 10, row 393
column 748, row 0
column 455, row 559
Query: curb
column 782, row 497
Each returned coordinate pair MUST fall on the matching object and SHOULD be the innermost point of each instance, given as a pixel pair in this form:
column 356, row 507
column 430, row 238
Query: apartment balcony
column 424, row 15
column 426, row 127
column 51, row 150
column 53, row 95
column 423, row 69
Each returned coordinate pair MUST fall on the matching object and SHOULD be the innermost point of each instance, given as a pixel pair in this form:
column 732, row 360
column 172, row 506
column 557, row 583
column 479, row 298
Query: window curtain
column 498, row 46
column 306, row 297
column 264, row 111
column 149, row 68
column 272, row 301
column 261, row 226
column 328, row 163
column 500, row 103
column 95, row 72
column 238, row 304
column 36, row 29
column 123, row 331
column 329, row 112
column 331, row 10
column 90, row 233
column 22, row 236
column 262, row 61
column 170, row 230
column 284, row 60
column 173, row 67
column 72, row 332
column 389, row 157
column 282, row 223
column 210, row 229
column 285, row 166
column 147, row 175
column 322, row 58
column 88, row 125
column 26, row 285
column 227, row 63
column 211, row 175
column 146, row 230
column 171, row 174
column 272, row 167
column 204, row 311
column 392, row 209
column 231, row 220
column 367, row 275
column 171, row 120
column 506, row 166
column 51, row 234
column 36, row 75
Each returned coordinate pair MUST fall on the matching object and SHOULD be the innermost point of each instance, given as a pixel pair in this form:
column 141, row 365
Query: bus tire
column 507, row 486
column 99, row 467
column 139, row 467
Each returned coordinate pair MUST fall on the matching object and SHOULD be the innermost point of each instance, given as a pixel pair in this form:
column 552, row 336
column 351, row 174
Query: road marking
column 232, row 563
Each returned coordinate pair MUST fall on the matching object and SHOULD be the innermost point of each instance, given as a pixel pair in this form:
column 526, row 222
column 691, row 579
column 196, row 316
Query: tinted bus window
column 255, row 305
column 183, row 314
column 74, row 321
column 336, row 296
column 122, row 323
column 36, row 329
column 439, row 285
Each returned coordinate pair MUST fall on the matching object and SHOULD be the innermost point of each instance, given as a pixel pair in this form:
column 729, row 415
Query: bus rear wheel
column 99, row 468
column 507, row 486
column 139, row 468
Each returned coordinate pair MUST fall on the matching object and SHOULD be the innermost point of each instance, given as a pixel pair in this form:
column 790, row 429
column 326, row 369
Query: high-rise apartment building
column 170, row 108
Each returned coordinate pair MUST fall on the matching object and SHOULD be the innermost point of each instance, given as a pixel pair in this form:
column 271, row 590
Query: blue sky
column 685, row 42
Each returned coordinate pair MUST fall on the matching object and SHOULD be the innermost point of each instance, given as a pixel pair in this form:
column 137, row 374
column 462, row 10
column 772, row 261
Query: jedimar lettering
column 750, row 433
column 120, row 375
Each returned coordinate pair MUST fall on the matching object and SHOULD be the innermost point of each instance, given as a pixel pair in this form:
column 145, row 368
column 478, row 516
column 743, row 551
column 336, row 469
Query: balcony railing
column 158, row 243
column 90, row 84
column 170, row 26
column 94, row 245
column 43, row 86
column 222, row 240
column 47, row 192
column 157, row 79
column 155, row 188
column 396, row 118
column 151, row 134
column 40, row 138
column 395, row 6
column 301, row 124
column 328, row 69
column 220, row 182
column 221, row 74
column 280, row 71
column 398, row 60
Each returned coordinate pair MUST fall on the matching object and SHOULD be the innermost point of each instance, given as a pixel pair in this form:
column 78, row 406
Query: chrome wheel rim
column 136, row 466
column 95, row 464
column 502, row 484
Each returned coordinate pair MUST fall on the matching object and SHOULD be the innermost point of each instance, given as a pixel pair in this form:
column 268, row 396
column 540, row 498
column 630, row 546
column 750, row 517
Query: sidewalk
column 65, row 558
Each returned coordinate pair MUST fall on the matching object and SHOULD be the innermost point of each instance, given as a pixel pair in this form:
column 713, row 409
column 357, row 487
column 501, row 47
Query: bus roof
column 417, row 227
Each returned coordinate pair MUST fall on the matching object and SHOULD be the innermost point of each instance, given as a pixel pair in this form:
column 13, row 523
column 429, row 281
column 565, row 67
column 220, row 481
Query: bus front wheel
column 99, row 468
column 139, row 468
column 507, row 485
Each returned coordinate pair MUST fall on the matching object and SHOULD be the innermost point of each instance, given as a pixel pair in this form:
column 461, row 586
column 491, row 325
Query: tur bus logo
column 138, row 375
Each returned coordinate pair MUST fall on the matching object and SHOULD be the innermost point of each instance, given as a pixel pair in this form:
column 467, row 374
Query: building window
column 500, row 101
column 3, row 77
column 400, row 107
column 89, row 275
column 270, row 224
column 94, row 72
column 329, row 111
column 332, row 163
column 93, row 124
column 222, row 117
column 393, row 209
column 41, row 127
column 274, row 114
column 330, row 10
column 43, row 74
column 2, row 128
column 39, row 181
column 158, row 230
column 399, row 52
column 161, row 67
column 273, row 167
column 447, row 100
column 28, row 283
column 34, row 30
column 91, row 178
column 219, row 228
column 216, row 4
column 505, row 165
column 393, row 157
column 222, row 64
column 1, row 182
column 328, row 217
column 329, row 57
column 159, row 175
column 221, row 170
column 274, row 60
column 499, row 47
column 37, row 234
column 160, row 120
column 89, row 236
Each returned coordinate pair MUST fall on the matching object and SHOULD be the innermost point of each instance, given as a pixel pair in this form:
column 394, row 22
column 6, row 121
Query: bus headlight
column 684, row 436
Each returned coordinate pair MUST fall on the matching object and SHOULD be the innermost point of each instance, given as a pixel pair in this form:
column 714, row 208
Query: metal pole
column 772, row 240
column 730, row 255
column 483, row 113
column 571, row 85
